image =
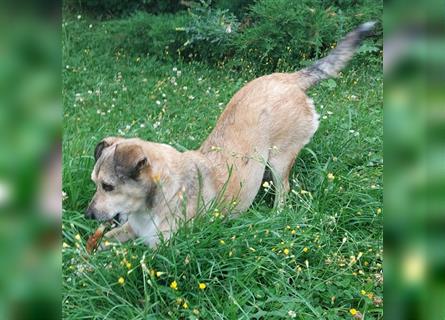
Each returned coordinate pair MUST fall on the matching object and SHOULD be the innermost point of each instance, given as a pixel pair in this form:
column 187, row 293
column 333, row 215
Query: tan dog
column 265, row 124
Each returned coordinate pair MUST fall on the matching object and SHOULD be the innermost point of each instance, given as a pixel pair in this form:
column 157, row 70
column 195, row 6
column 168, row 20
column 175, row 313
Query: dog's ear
column 105, row 143
column 129, row 160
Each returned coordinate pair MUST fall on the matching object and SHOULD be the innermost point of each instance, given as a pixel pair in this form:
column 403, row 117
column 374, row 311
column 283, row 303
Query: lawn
column 318, row 258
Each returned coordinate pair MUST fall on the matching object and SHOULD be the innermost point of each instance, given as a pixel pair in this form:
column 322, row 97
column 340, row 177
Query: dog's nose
column 90, row 213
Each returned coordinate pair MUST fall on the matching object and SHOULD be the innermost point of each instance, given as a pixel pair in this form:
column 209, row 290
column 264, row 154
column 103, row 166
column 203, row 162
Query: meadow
column 318, row 258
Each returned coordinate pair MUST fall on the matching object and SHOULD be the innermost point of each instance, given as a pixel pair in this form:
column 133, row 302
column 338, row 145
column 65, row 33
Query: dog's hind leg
column 280, row 166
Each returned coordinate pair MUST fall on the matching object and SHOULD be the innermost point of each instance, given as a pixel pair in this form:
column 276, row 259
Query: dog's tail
column 330, row 65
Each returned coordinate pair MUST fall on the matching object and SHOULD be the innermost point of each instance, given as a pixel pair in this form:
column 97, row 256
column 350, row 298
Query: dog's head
column 122, row 177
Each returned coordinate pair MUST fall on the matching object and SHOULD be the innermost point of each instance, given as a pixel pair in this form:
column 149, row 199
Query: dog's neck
column 183, row 179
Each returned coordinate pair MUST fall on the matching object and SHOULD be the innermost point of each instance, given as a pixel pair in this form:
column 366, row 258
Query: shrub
column 210, row 32
column 238, row 7
column 285, row 32
column 275, row 34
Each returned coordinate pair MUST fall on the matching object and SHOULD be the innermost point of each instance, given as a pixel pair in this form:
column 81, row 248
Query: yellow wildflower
column 331, row 177
column 379, row 210
column 362, row 292
column 159, row 273
column 174, row 285
column 353, row 311
column 286, row 251
column 222, row 241
column 202, row 286
column 128, row 265
column 293, row 232
column 305, row 249
column 121, row 281
column 77, row 237
column 185, row 305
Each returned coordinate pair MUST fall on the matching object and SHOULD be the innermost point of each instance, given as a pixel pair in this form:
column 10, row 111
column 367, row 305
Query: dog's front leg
column 120, row 234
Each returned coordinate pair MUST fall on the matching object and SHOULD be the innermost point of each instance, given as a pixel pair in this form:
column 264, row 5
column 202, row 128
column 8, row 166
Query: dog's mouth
column 118, row 219
column 115, row 219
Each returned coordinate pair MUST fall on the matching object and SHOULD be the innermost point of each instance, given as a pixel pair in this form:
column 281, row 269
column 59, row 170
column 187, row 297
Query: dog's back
column 269, row 120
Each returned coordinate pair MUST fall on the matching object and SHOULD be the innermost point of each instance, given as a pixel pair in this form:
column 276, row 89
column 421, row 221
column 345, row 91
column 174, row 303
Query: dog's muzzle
column 90, row 213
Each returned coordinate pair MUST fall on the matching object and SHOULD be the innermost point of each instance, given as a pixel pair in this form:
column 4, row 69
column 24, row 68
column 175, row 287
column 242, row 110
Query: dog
column 151, row 187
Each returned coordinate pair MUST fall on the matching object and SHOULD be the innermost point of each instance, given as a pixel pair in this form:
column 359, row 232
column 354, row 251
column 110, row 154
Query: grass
column 309, row 261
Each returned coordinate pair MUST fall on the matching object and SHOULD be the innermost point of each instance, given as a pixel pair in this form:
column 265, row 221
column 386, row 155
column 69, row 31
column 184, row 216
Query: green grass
column 248, row 275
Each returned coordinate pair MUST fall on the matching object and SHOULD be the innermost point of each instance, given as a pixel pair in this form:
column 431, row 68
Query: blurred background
column 30, row 158
column 414, row 98
column 30, row 170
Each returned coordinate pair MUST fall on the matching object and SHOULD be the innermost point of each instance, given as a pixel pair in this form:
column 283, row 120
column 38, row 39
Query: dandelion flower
column 128, row 265
column 121, row 281
column 362, row 292
column 185, row 305
column 286, row 251
column 331, row 177
column 353, row 311
column 174, row 285
column 293, row 232
column 222, row 241
column 202, row 286
column 305, row 249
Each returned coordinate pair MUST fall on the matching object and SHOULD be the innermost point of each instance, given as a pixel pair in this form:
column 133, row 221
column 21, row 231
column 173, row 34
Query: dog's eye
column 107, row 187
